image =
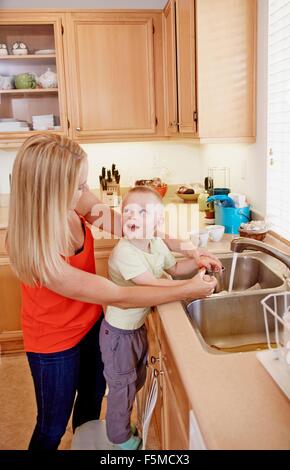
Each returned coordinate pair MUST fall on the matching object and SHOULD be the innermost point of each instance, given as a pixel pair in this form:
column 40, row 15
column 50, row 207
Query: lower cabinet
column 171, row 414
column 10, row 304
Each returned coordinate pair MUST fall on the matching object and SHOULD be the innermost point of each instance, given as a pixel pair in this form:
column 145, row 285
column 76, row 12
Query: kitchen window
column 278, row 172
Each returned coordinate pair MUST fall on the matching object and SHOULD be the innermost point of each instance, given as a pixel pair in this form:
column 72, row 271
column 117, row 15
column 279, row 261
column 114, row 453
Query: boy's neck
column 141, row 244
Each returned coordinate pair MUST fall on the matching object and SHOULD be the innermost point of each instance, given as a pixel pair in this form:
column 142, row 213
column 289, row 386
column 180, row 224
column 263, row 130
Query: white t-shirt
column 126, row 262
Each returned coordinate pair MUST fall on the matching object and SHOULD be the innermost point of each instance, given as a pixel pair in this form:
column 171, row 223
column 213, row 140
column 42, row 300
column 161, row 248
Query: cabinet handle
column 174, row 124
column 157, row 372
column 78, row 129
column 154, row 359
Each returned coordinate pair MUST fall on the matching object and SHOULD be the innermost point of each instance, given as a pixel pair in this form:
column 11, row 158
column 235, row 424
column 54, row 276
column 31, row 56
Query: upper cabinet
column 214, row 74
column 108, row 75
column 115, row 74
column 31, row 75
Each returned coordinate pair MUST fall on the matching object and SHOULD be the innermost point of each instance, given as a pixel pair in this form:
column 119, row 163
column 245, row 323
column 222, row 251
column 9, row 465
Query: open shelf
column 28, row 90
column 27, row 56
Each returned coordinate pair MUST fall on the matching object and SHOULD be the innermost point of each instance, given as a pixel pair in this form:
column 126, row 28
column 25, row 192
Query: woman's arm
column 147, row 279
column 202, row 257
column 99, row 214
column 87, row 287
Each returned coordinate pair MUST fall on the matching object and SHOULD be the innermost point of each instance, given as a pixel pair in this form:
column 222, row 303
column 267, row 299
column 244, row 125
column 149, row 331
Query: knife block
column 111, row 195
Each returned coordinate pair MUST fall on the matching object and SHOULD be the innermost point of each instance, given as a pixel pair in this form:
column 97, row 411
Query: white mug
column 199, row 238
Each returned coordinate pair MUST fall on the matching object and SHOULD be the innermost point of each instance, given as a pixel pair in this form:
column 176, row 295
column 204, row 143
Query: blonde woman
column 51, row 251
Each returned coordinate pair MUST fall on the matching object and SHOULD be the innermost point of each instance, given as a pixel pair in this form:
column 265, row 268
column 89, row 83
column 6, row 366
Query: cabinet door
column 175, row 435
column 113, row 75
column 10, row 303
column 39, row 105
column 226, row 67
column 170, row 80
column 175, row 403
column 2, row 242
column 154, row 362
column 185, row 35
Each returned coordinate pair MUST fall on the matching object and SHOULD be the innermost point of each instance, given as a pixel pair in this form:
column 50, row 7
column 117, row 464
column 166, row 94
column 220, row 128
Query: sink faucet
column 240, row 244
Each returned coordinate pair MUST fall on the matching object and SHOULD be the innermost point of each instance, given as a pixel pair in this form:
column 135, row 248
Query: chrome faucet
column 240, row 244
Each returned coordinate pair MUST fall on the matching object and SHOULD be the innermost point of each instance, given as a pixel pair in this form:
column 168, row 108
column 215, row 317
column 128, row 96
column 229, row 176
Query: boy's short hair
column 143, row 190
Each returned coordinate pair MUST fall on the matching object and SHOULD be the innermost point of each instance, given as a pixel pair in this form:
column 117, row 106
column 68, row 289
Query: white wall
column 130, row 4
column 174, row 162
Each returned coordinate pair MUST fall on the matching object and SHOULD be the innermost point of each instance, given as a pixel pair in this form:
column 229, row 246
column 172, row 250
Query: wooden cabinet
column 215, row 69
column 186, row 67
column 42, row 34
column 170, row 79
column 115, row 73
column 171, row 414
column 10, row 303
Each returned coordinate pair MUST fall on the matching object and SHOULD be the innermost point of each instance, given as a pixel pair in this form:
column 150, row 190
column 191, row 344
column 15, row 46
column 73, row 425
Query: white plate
column 44, row 51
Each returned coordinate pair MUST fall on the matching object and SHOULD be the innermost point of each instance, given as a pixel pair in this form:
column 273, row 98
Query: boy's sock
column 131, row 444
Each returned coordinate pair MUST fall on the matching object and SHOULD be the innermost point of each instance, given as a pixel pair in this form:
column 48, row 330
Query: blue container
column 231, row 217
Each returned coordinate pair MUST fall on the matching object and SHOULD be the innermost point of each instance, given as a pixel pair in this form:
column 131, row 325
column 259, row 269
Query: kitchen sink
column 250, row 271
column 234, row 322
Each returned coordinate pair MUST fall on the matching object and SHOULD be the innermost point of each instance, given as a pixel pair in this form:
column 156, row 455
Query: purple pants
column 124, row 353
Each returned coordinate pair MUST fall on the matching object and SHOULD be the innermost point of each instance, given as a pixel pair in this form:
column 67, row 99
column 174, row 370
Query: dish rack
column 276, row 359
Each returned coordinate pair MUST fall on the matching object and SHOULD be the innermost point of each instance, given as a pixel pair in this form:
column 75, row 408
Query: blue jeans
column 57, row 377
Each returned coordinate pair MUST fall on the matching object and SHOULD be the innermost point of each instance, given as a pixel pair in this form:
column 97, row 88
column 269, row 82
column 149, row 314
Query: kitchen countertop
column 236, row 402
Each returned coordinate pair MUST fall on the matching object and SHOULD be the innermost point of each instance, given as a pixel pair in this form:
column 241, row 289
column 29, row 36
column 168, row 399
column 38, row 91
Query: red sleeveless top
column 52, row 322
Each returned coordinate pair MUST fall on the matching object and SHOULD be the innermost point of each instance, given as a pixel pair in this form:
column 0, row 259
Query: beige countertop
column 236, row 402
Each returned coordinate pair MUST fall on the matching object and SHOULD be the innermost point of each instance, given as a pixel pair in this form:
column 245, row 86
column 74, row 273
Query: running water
column 233, row 270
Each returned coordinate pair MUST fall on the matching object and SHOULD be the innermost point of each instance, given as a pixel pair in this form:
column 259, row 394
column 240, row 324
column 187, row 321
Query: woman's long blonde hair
column 44, row 180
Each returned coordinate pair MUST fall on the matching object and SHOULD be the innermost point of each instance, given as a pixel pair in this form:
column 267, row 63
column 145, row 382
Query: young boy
column 140, row 258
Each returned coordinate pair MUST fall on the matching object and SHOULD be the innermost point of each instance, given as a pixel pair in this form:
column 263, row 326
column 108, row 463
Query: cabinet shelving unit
column 39, row 33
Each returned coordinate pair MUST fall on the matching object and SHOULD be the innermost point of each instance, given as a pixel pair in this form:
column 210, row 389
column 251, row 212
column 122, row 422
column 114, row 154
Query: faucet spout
column 240, row 244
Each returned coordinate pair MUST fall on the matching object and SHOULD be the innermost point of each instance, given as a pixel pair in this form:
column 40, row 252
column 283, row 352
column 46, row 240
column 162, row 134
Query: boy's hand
column 202, row 285
column 202, row 257
column 209, row 261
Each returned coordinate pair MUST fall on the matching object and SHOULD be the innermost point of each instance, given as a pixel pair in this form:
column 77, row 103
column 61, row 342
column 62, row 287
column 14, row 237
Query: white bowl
column 216, row 232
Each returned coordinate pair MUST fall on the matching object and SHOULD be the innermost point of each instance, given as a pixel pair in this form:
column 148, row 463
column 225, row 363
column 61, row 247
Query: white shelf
column 28, row 90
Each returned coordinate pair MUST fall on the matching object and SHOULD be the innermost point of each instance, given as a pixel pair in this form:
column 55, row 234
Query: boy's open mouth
column 133, row 227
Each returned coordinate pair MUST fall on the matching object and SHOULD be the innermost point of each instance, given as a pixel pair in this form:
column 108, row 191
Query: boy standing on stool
column 140, row 258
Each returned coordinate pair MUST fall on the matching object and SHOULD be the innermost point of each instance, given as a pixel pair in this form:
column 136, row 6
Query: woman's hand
column 202, row 285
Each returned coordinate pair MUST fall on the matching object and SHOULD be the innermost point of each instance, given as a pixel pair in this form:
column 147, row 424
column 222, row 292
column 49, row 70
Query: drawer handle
column 154, row 359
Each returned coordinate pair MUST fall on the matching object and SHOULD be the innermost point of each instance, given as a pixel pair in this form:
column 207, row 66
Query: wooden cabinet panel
column 113, row 78
column 2, row 242
column 174, row 434
column 39, row 31
column 101, row 263
column 10, row 298
column 171, row 372
column 185, row 33
column 170, row 79
column 215, row 79
column 171, row 414
column 226, row 32
column 10, row 304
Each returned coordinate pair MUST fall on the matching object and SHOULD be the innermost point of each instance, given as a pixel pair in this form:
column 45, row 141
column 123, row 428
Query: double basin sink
column 234, row 322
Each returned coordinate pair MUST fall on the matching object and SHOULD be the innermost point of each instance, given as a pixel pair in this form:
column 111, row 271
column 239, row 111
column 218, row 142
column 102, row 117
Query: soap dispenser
column 202, row 198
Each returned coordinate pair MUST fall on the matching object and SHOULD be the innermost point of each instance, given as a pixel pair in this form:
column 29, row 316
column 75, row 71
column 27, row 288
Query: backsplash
column 175, row 162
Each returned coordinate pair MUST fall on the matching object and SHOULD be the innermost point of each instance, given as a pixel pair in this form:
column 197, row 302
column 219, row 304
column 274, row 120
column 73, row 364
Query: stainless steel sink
column 250, row 271
column 230, row 323
column 227, row 323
